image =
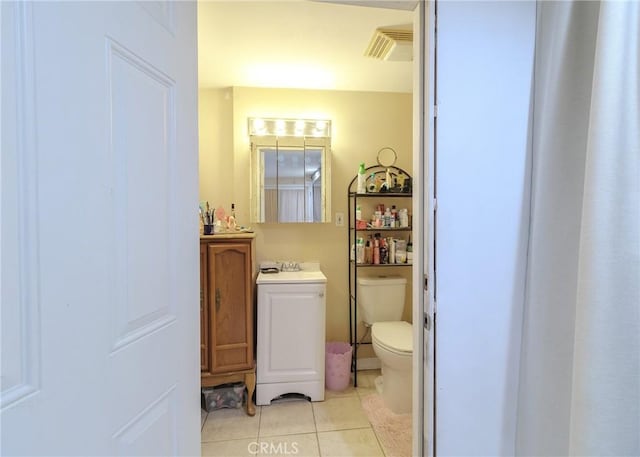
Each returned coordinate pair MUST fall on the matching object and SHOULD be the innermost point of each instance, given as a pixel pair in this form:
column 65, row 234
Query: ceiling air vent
column 391, row 43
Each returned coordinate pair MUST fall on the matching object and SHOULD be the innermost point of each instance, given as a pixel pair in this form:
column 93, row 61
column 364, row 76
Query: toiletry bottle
column 387, row 217
column 358, row 213
column 376, row 249
column 377, row 219
column 409, row 251
column 384, row 251
column 392, row 249
column 371, row 186
column 362, row 185
column 231, row 220
column 404, row 218
column 360, row 251
column 368, row 254
column 394, row 216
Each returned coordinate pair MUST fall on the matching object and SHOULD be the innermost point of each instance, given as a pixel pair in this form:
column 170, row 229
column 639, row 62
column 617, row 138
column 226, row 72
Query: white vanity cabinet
column 290, row 345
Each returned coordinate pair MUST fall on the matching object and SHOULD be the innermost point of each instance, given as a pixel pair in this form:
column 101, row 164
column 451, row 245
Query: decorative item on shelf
column 220, row 215
column 387, row 157
column 388, row 184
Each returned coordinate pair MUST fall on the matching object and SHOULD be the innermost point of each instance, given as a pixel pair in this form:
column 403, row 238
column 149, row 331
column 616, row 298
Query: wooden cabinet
column 226, row 312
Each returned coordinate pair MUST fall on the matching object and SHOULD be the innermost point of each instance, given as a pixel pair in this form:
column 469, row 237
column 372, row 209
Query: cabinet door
column 291, row 332
column 231, row 306
column 204, row 311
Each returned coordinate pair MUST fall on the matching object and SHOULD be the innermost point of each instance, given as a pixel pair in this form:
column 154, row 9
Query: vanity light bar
column 319, row 128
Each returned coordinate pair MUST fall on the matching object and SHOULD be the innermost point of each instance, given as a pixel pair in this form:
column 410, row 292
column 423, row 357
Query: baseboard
column 369, row 363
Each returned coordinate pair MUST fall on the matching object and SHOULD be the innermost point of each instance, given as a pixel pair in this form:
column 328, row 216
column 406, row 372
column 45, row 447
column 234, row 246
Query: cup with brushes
column 206, row 218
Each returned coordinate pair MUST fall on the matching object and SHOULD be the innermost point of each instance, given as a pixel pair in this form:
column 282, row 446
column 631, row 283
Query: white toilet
column 381, row 302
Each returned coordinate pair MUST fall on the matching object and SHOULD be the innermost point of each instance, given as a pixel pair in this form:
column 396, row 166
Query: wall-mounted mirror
column 290, row 179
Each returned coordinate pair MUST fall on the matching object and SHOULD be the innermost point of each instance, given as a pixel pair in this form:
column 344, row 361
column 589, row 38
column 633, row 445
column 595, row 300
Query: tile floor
column 336, row 427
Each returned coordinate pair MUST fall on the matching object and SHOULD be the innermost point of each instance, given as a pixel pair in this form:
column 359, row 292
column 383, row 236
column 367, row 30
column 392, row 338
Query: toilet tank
column 381, row 298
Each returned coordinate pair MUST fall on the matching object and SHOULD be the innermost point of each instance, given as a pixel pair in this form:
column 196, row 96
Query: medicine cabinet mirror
column 291, row 179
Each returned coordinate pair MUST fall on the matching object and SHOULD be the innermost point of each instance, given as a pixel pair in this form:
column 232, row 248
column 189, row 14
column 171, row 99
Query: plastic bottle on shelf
column 372, row 186
column 384, row 251
column 404, row 217
column 387, row 218
column 409, row 251
column 360, row 251
column 368, row 251
column 392, row 249
column 362, row 179
column 394, row 216
column 377, row 219
column 401, row 251
column 376, row 250
column 358, row 213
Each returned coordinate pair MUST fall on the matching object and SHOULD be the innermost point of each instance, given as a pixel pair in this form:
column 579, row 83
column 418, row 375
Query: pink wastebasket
column 337, row 373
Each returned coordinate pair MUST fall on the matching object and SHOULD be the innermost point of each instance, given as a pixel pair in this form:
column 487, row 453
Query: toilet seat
column 395, row 337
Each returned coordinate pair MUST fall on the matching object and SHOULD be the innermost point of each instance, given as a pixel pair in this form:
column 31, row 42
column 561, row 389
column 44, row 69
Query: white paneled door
column 99, row 235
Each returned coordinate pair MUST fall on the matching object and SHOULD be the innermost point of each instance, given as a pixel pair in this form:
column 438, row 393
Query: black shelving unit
column 354, row 197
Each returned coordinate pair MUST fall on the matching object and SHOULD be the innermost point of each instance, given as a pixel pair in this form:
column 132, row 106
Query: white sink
column 309, row 273
column 292, row 277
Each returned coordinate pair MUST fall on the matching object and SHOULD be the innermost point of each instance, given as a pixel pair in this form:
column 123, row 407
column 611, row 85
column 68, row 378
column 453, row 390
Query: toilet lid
column 397, row 336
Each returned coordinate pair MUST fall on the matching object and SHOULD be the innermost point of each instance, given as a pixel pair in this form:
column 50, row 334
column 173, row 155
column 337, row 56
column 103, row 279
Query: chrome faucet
column 290, row 266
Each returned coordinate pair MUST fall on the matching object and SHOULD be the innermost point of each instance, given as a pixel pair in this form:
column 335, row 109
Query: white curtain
column 580, row 360
column 270, row 205
column 291, row 205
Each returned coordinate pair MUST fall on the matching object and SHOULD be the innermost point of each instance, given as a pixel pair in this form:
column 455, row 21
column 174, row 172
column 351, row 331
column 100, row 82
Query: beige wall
column 362, row 123
column 215, row 124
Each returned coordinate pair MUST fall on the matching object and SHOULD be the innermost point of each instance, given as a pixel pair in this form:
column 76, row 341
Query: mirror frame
column 258, row 142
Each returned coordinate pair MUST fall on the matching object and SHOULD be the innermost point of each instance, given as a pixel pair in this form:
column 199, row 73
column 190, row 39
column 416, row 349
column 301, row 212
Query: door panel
column 291, row 333
column 483, row 126
column 204, row 310
column 230, row 306
column 103, row 179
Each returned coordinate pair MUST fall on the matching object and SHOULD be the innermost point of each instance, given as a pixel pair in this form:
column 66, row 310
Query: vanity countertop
column 227, row 235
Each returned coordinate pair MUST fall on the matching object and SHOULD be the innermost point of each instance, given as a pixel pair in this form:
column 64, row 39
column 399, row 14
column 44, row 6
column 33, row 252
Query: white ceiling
column 297, row 44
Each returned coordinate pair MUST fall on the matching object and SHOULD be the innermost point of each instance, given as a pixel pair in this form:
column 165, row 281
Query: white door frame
column 423, row 225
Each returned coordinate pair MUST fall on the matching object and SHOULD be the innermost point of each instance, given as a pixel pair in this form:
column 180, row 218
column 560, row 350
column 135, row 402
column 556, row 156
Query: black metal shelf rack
column 353, row 197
